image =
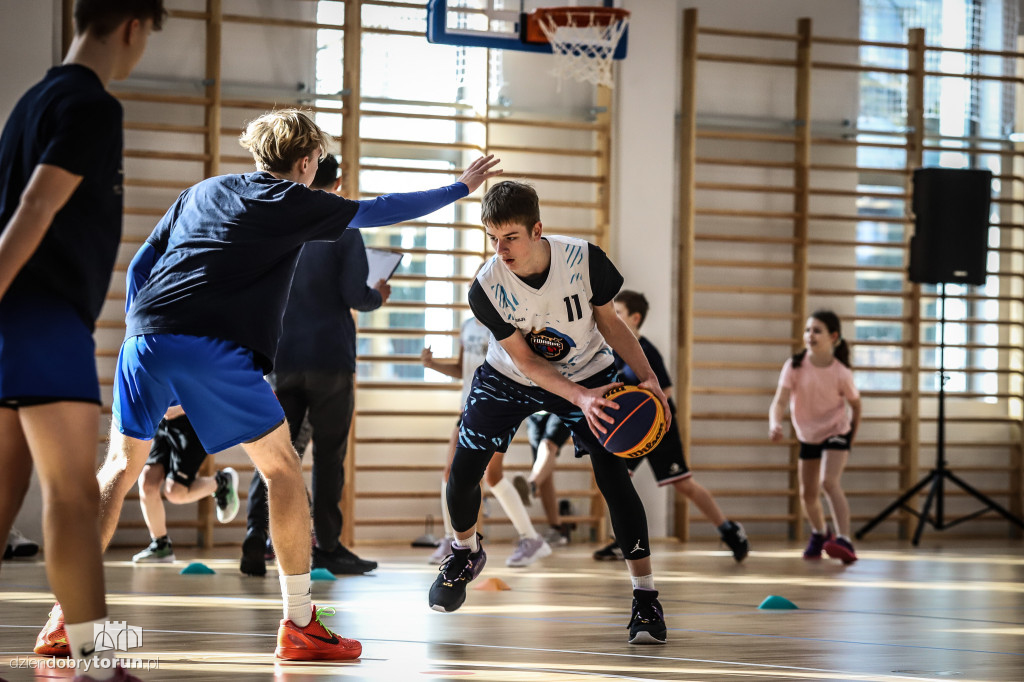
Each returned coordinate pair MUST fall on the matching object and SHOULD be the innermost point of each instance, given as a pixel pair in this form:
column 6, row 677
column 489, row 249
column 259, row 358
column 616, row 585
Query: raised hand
column 479, row 171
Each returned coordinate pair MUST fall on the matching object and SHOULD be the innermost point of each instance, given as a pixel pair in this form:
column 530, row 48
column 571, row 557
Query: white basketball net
column 583, row 48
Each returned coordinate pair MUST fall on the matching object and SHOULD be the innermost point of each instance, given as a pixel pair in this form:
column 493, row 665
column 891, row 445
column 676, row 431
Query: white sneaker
column 554, row 537
column 444, row 548
column 20, row 546
column 527, row 551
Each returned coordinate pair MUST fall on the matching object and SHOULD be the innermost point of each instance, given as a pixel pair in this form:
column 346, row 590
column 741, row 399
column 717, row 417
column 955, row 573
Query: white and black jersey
column 554, row 311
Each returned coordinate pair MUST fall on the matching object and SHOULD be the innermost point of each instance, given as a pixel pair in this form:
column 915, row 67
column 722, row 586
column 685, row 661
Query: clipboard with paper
column 383, row 264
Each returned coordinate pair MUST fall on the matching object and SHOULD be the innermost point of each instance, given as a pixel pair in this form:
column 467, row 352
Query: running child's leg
column 810, row 493
column 151, row 485
column 832, row 471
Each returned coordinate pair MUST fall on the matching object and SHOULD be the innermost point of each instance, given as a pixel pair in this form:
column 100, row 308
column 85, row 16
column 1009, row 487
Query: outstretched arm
column 389, row 209
column 49, row 188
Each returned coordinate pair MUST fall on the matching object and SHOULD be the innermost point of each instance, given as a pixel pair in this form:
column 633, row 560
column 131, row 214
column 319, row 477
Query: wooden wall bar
column 751, row 297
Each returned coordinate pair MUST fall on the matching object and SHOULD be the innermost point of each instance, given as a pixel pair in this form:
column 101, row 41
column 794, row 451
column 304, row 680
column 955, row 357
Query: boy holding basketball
column 548, row 303
column 667, row 459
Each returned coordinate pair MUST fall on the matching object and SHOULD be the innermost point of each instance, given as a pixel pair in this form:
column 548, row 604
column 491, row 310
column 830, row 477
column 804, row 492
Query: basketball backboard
column 497, row 24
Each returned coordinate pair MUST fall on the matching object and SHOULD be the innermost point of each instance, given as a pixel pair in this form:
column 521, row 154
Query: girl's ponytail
column 842, row 352
column 799, row 358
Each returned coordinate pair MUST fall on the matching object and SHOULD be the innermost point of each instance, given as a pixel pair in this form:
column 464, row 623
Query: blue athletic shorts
column 497, row 405
column 47, row 353
column 216, row 382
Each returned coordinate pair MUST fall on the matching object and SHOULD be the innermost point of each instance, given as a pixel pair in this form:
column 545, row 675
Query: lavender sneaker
column 461, row 567
column 444, row 548
column 527, row 551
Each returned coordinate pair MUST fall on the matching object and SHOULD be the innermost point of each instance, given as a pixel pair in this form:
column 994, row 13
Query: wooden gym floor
column 951, row 609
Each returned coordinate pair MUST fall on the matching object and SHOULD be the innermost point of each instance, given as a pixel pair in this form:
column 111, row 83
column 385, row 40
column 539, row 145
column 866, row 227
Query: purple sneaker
column 815, row 545
column 527, row 551
column 840, row 548
column 461, row 567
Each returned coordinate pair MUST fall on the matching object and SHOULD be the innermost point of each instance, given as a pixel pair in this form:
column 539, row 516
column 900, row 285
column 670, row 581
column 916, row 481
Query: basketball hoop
column 583, row 40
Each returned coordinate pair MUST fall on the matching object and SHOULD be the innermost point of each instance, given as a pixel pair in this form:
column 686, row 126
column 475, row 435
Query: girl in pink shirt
column 817, row 384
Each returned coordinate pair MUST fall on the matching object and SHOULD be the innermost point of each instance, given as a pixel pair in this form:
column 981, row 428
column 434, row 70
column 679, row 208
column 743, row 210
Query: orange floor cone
column 493, row 585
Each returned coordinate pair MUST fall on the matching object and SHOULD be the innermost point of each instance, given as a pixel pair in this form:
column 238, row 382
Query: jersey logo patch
column 550, row 344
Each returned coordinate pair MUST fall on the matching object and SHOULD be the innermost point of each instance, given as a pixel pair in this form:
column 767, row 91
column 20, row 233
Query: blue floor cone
column 321, row 574
column 196, row 568
column 777, row 603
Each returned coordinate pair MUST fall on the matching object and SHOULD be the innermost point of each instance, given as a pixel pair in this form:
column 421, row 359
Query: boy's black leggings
column 629, row 521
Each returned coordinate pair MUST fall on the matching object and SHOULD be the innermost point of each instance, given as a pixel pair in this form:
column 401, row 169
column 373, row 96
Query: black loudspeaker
column 950, row 239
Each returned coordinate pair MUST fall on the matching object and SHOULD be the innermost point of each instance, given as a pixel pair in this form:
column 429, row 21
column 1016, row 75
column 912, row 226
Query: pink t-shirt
column 817, row 399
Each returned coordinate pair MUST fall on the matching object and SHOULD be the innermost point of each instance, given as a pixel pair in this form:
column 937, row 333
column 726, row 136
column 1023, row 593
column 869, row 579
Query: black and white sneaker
column 610, row 552
column 460, row 568
column 647, row 626
column 736, row 538
column 226, row 494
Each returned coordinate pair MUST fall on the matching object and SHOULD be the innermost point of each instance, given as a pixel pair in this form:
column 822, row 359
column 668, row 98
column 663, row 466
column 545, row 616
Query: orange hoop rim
column 599, row 16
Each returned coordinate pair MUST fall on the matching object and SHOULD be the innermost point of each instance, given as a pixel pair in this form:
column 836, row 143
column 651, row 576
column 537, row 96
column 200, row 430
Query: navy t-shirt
column 629, row 377
column 226, row 251
column 319, row 332
column 68, row 120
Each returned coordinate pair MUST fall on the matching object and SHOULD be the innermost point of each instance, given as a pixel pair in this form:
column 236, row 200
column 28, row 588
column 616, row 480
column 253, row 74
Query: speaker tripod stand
column 941, row 473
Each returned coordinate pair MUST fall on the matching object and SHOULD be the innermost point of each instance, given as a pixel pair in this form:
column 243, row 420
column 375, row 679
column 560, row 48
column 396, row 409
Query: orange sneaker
column 52, row 639
column 315, row 642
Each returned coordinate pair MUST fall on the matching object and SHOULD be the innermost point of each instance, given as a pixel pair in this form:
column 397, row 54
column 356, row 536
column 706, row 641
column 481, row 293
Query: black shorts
column 177, row 449
column 841, row 442
column 668, row 462
column 546, row 426
column 497, row 406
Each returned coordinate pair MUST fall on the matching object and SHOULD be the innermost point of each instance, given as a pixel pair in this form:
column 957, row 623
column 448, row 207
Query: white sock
column 82, row 643
column 472, row 542
column 449, row 532
column 643, row 582
column 845, row 537
column 510, row 501
column 298, row 604
column 816, row 531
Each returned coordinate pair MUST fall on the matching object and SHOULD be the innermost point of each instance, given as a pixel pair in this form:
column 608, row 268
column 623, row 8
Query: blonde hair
column 279, row 138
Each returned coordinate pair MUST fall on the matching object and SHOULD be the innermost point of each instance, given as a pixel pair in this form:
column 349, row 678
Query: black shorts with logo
column 668, row 462
column 813, row 451
column 177, row 449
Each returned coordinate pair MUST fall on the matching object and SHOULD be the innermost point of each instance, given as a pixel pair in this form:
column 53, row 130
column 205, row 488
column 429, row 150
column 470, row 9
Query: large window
column 959, row 112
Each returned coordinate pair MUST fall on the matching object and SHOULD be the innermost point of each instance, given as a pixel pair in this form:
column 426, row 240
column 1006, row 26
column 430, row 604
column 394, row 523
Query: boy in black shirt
column 667, row 460
column 60, row 225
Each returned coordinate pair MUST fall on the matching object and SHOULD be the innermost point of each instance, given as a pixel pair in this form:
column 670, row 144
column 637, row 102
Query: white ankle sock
column 472, row 542
column 298, row 604
column 82, row 643
column 643, row 582
column 845, row 537
column 510, row 501
column 448, row 530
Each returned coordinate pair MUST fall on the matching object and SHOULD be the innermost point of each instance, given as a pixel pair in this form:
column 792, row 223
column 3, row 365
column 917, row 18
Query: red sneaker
column 52, row 639
column 840, row 548
column 315, row 642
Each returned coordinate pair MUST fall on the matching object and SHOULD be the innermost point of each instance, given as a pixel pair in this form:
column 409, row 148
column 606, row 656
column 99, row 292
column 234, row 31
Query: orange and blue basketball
column 639, row 422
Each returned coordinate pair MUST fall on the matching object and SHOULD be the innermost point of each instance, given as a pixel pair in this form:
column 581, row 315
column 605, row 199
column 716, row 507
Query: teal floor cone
column 321, row 574
column 196, row 568
column 778, row 603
